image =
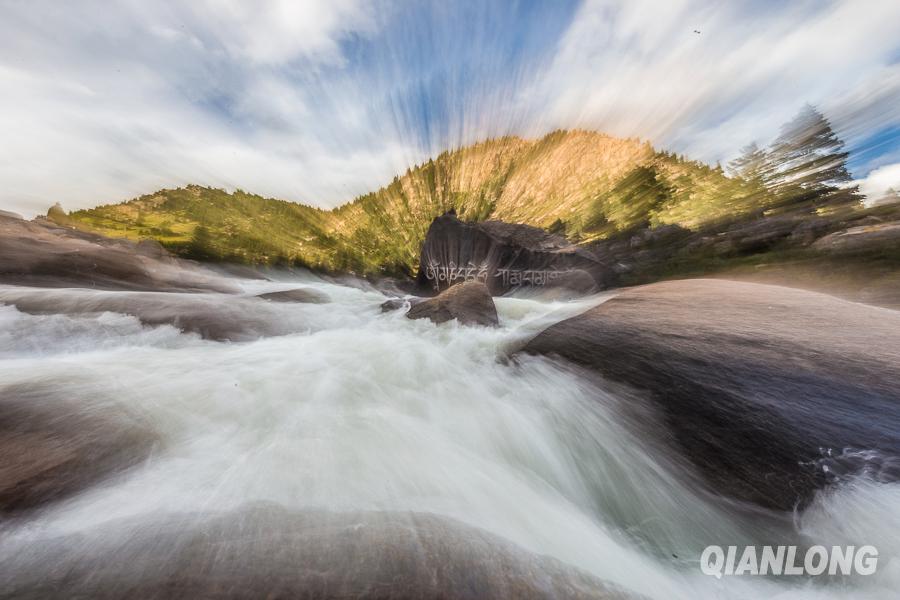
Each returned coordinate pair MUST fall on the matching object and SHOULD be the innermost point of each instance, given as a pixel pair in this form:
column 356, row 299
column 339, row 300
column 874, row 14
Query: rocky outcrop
column 876, row 237
column 771, row 392
column 55, row 443
column 469, row 303
column 268, row 552
column 302, row 295
column 504, row 257
column 41, row 253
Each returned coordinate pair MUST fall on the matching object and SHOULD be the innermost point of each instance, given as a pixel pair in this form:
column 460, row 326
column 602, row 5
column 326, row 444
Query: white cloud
column 639, row 69
column 103, row 101
column 99, row 111
column 879, row 181
column 276, row 31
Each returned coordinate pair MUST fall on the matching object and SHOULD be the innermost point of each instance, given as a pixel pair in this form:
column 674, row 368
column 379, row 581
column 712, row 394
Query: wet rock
column 399, row 303
column 56, row 441
column 41, row 253
column 392, row 304
column 269, row 552
column 503, row 256
column 760, row 386
column 217, row 317
column 305, row 295
column 469, row 303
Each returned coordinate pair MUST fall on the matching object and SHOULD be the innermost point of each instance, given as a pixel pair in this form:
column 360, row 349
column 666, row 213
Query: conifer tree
column 750, row 165
column 806, row 166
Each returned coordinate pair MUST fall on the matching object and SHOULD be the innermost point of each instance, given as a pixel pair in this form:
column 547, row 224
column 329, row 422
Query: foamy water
column 362, row 410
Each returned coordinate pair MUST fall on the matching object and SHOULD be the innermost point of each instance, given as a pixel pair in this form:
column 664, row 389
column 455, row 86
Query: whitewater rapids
column 359, row 410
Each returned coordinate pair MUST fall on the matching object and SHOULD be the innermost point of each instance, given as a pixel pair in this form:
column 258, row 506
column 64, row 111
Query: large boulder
column 56, row 442
column 220, row 317
column 878, row 237
column 469, row 303
column 503, row 256
column 42, row 253
column 771, row 392
column 268, row 552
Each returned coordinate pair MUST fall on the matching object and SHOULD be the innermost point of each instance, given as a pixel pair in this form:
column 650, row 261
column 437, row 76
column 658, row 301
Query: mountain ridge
column 587, row 185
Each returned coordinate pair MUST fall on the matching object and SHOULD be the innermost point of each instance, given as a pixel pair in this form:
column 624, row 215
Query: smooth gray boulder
column 42, row 253
column 772, row 393
column 264, row 551
column 303, row 295
column 220, row 317
column 56, row 441
column 878, row 237
column 469, row 303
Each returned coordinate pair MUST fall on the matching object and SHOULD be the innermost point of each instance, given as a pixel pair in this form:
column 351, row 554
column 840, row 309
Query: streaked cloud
column 318, row 101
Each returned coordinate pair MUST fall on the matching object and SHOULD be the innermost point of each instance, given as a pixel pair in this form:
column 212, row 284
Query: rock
column 153, row 249
column 469, row 303
column 503, row 256
column 762, row 235
column 771, row 392
column 392, row 304
column 306, row 295
column 240, row 271
column 398, row 303
column 41, row 253
column 265, row 551
column 663, row 235
column 881, row 237
column 219, row 317
column 809, row 231
column 56, row 442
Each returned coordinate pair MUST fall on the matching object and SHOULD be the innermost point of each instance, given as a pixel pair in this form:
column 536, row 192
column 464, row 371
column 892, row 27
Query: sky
column 317, row 101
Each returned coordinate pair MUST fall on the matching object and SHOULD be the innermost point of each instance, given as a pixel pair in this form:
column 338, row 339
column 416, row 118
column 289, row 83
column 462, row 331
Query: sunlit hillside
column 585, row 184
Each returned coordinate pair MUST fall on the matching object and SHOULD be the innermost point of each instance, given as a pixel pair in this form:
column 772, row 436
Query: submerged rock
column 305, row 295
column 56, row 442
column 771, row 392
column 398, row 303
column 392, row 304
column 270, row 552
column 503, row 256
column 469, row 303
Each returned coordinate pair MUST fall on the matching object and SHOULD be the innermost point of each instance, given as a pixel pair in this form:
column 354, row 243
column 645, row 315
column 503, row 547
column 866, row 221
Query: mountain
column 584, row 184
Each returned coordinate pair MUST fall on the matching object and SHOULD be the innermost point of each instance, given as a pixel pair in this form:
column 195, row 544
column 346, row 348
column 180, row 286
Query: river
column 358, row 410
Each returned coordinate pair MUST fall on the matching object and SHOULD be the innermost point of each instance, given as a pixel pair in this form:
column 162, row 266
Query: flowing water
column 356, row 409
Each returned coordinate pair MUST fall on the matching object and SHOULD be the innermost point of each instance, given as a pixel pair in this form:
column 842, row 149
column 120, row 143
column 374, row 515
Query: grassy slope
column 588, row 183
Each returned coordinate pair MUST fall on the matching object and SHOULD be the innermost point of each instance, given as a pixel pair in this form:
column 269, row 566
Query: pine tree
column 631, row 202
column 750, row 165
column 807, row 165
column 201, row 245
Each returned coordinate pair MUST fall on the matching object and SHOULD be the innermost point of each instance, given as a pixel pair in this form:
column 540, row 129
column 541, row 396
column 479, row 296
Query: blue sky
column 320, row 100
